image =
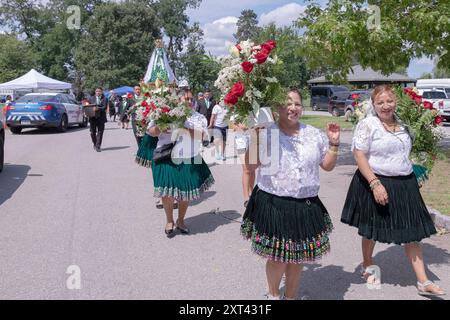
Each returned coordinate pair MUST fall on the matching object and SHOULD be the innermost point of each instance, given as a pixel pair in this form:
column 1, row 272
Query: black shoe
column 170, row 233
column 98, row 149
column 183, row 230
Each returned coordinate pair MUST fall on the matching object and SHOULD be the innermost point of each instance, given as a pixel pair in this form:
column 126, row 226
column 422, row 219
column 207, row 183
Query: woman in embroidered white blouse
column 285, row 219
column 384, row 201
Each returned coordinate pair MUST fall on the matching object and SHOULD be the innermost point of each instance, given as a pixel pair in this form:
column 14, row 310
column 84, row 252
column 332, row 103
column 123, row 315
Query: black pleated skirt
column 404, row 219
column 286, row 229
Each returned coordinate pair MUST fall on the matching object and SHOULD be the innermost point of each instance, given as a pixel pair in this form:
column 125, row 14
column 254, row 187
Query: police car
column 44, row 110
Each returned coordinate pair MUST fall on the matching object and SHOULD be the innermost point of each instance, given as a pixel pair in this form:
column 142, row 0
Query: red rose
column 261, row 56
column 147, row 94
column 152, row 106
column 247, row 66
column 144, row 103
column 438, row 120
column 428, row 105
column 238, row 89
column 230, row 99
column 418, row 99
column 272, row 43
column 408, row 90
column 266, row 47
column 129, row 96
column 165, row 109
column 355, row 96
column 238, row 46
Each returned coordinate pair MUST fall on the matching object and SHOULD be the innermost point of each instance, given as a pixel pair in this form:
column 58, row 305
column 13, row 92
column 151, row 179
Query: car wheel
column 348, row 115
column 84, row 123
column 63, row 125
column 16, row 130
column 2, row 153
column 335, row 112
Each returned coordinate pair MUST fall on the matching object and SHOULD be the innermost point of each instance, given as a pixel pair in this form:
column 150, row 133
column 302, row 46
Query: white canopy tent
column 35, row 80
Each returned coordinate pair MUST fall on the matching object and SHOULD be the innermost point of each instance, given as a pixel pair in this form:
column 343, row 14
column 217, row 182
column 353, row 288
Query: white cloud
column 219, row 35
column 282, row 16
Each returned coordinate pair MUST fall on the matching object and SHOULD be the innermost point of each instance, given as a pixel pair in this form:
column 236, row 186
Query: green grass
column 435, row 192
column 321, row 121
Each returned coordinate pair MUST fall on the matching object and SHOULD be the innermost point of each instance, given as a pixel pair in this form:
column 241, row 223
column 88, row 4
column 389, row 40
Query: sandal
column 436, row 291
column 182, row 230
column 159, row 204
column 370, row 275
column 170, row 233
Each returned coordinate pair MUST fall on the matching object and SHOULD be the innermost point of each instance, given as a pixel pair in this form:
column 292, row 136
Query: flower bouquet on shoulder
column 159, row 104
column 247, row 84
column 423, row 123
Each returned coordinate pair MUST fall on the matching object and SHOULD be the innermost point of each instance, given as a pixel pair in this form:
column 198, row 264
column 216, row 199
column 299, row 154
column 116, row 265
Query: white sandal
column 423, row 292
column 370, row 275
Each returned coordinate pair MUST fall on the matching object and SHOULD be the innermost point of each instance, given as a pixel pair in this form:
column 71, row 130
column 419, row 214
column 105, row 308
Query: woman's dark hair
column 99, row 88
column 295, row 90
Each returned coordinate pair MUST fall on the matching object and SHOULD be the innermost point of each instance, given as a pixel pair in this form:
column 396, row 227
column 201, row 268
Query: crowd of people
column 284, row 219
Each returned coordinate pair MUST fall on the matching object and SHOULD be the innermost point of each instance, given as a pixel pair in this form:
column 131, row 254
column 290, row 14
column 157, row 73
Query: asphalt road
column 63, row 204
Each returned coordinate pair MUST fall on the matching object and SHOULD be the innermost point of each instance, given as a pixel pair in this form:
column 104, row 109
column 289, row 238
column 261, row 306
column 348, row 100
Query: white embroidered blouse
column 291, row 168
column 387, row 152
column 186, row 146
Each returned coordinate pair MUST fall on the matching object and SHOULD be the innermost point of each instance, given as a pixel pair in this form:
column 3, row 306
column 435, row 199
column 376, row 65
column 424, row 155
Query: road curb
column 439, row 219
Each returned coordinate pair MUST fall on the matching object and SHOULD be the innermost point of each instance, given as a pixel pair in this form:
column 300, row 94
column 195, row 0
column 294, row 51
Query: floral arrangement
column 423, row 123
column 160, row 103
column 246, row 79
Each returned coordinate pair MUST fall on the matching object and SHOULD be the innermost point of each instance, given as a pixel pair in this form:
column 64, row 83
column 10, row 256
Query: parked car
column 434, row 84
column 44, row 110
column 440, row 101
column 346, row 105
column 322, row 95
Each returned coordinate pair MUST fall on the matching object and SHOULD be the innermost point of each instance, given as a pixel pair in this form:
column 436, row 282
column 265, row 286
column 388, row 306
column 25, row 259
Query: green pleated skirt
column 144, row 155
column 184, row 181
column 404, row 219
column 286, row 229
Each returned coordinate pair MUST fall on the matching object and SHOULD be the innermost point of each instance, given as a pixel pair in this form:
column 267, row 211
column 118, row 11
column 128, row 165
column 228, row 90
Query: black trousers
column 97, row 127
column 133, row 125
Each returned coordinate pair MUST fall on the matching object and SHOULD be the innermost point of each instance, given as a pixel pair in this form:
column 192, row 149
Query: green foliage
column 197, row 67
column 339, row 34
column 292, row 72
column 16, row 58
column 247, row 26
column 114, row 50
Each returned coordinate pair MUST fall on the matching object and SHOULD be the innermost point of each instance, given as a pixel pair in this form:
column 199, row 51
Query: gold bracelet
column 333, row 152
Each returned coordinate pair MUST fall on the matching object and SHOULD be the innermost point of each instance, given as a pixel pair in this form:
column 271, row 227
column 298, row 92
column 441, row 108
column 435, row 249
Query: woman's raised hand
column 333, row 132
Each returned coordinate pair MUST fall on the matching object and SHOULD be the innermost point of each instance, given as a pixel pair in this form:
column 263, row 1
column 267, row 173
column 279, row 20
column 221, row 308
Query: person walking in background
column 97, row 122
column 219, row 127
column 136, row 96
column 112, row 106
column 383, row 200
column 124, row 115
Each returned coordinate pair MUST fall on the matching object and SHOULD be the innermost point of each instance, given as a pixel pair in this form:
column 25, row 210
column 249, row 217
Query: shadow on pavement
column 45, row 131
column 325, row 282
column 11, row 178
column 205, row 195
column 209, row 222
column 115, row 148
column 397, row 270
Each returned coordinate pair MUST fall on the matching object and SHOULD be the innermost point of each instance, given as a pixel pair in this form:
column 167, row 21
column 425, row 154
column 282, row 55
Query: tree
column 247, row 26
column 198, row 68
column 293, row 72
column 344, row 30
column 16, row 57
column 115, row 48
column 174, row 21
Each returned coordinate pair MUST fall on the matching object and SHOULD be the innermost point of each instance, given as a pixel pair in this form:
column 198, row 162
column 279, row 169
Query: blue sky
column 218, row 21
